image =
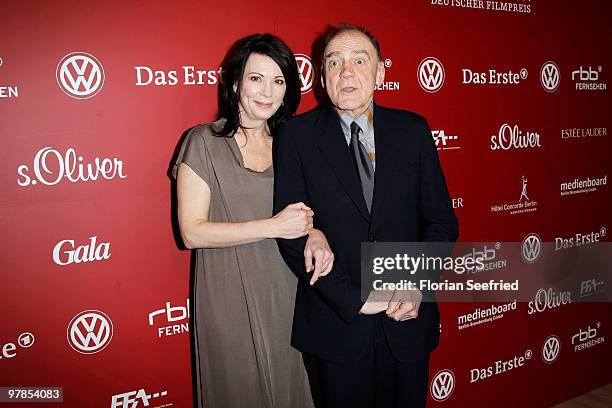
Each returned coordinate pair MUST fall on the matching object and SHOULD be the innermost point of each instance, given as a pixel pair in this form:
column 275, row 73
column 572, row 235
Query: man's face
column 352, row 71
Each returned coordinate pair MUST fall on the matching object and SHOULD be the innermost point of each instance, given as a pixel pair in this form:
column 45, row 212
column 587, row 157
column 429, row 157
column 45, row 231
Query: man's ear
column 380, row 73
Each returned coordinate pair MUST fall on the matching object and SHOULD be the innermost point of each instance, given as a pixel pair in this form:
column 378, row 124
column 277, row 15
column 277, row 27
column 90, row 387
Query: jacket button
column 372, row 238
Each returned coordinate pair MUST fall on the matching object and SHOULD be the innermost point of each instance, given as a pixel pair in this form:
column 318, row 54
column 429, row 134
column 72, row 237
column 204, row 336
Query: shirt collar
column 365, row 121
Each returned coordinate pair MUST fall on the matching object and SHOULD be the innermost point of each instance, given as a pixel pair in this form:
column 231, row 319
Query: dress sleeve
column 194, row 153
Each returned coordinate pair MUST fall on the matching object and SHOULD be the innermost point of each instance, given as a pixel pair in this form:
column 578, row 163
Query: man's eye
column 333, row 64
column 360, row 61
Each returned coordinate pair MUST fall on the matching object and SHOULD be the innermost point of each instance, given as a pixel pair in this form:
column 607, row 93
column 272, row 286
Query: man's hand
column 404, row 305
column 318, row 248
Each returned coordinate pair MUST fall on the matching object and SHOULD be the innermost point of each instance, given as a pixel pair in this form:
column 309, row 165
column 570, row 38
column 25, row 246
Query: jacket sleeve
column 335, row 289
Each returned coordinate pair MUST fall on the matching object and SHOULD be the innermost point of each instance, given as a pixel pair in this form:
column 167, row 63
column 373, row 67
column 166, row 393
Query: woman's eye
column 255, row 78
column 280, row 81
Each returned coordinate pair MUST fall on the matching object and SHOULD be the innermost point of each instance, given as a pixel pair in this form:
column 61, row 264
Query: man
column 370, row 174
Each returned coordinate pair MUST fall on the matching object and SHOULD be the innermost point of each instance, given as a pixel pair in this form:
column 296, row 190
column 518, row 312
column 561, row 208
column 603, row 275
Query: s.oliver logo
column 51, row 167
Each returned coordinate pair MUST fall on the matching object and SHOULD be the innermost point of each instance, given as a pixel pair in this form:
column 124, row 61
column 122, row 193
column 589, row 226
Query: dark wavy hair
column 233, row 71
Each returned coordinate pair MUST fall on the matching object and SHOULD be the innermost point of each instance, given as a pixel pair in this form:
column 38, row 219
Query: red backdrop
column 113, row 86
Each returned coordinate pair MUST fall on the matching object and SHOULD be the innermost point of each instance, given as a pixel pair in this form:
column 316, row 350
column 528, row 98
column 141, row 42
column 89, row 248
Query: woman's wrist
column 267, row 228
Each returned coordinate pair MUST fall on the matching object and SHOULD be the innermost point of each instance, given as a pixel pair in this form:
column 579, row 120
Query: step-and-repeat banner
column 94, row 99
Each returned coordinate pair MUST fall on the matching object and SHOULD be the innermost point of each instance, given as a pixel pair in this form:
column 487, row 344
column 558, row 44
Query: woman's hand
column 318, row 247
column 294, row 221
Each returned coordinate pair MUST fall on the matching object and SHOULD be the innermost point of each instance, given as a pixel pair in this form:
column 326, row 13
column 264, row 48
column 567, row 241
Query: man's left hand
column 404, row 305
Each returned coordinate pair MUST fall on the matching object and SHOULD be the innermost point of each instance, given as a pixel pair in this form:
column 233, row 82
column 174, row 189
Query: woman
column 244, row 293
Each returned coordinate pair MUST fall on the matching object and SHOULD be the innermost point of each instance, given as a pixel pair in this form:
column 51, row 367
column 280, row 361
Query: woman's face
column 262, row 90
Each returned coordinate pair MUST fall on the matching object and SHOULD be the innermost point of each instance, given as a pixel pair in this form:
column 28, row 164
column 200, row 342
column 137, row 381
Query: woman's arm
column 197, row 232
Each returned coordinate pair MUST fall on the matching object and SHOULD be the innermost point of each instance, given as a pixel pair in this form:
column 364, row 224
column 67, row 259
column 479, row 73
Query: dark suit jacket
column 313, row 164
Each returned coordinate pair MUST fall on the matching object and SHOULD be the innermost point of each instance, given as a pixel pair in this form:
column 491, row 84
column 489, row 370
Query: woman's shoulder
column 207, row 131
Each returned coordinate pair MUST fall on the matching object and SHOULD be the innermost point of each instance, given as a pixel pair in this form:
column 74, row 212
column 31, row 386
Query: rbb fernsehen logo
column 430, row 74
column 442, row 385
column 550, row 76
column 531, row 248
column 90, row 332
column 80, row 75
column 306, row 71
column 551, row 349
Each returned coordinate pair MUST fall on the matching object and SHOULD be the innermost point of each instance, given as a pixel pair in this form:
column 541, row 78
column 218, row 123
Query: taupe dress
column 244, row 295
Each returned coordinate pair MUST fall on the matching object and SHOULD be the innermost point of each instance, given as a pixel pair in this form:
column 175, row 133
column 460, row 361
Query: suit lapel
column 333, row 145
column 386, row 157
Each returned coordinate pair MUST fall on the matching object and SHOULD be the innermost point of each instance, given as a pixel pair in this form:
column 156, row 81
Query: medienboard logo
column 582, row 186
column 485, row 315
column 430, row 74
column 550, row 76
column 306, row 71
column 551, row 349
column 80, row 75
column 442, row 385
column 90, row 331
column 531, row 248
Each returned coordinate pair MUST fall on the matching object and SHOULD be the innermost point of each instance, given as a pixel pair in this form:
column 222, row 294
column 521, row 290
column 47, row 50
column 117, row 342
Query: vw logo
column 430, row 74
column 90, row 332
column 550, row 76
column 531, row 248
column 551, row 348
column 80, row 75
column 442, row 385
column 306, row 71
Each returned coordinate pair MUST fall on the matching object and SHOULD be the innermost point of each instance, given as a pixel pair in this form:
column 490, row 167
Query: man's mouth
column 348, row 89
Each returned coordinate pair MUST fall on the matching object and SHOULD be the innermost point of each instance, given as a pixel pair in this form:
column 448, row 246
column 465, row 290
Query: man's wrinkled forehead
column 351, row 41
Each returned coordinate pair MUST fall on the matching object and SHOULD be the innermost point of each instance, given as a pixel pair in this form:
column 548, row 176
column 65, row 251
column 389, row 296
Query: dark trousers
column 377, row 381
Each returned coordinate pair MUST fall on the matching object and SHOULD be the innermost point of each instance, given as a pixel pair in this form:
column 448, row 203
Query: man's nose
column 346, row 71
